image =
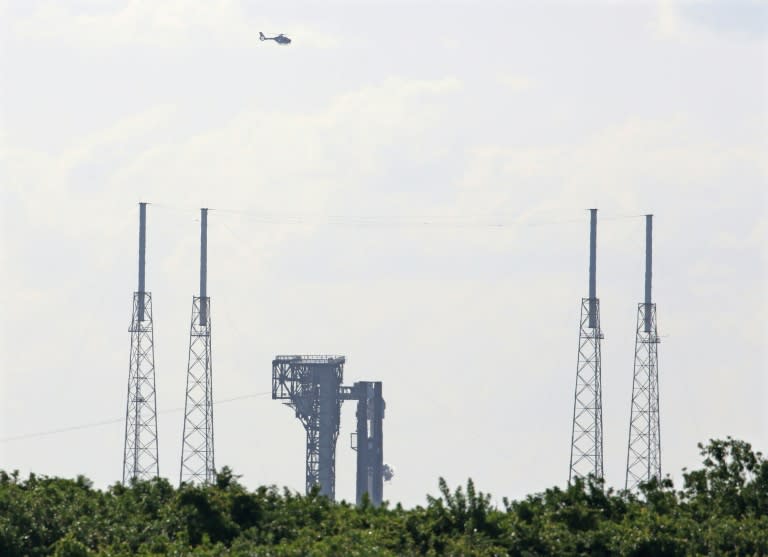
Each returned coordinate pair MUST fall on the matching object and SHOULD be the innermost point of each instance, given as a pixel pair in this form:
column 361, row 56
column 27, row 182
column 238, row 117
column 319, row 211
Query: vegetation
column 722, row 509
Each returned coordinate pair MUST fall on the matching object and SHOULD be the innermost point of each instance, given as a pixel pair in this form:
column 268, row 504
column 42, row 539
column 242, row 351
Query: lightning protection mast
column 587, row 432
column 140, row 459
column 197, row 462
column 644, row 447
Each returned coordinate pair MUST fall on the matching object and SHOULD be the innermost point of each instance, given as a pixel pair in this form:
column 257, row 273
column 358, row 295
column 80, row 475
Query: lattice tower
column 140, row 454
column 197, row 449
column 644, row 446
column 587, row 431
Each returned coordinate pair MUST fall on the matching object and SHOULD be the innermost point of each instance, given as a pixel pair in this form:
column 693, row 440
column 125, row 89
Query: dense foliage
column 722, row 509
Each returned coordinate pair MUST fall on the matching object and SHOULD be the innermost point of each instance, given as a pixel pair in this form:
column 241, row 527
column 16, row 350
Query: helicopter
column 279, row 39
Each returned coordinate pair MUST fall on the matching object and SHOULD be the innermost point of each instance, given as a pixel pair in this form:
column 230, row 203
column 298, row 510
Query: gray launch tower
column 197, row 457
column 140, row 457
column 644, row 447
column 312, row 385
column 587, row 433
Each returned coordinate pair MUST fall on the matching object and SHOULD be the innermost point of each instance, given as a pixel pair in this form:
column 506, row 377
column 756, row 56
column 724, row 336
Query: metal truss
column 644, row 447
column 140, row 457
column 197, row 455
column 312, row 385
column 587, row 433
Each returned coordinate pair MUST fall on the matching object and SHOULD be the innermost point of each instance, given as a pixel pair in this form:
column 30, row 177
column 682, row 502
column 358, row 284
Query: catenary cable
column 115, row 420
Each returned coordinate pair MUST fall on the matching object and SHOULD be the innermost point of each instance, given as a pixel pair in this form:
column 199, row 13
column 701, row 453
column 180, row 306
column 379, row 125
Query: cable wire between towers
column 117, row 420
column 390, row 221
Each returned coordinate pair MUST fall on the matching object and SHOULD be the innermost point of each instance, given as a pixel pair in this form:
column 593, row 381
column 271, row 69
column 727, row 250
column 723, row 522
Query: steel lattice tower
column 197, row 455
column 312, row 385
column 140, row 457
column 587, row 432
column 644, row 447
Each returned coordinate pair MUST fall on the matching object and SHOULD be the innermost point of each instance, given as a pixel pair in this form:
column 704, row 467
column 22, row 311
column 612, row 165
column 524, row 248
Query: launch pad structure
column 312, row 386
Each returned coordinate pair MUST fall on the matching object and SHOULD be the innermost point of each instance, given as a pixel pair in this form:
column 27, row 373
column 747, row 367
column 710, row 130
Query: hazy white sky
column 461, row 113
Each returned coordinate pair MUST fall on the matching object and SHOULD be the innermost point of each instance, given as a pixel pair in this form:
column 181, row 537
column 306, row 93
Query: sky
column 406, row 184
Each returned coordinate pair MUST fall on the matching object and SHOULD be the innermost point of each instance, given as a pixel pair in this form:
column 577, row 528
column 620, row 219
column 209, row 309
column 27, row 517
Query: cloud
column 59, row 178
column 291, row 162
column 687, row 21
column 515, row 83
column 745, row 18
column 668, row 24
column 623, row 166
column 297, row 159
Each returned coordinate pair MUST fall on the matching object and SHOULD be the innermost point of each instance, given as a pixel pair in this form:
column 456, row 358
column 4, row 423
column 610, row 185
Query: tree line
column 721, row 509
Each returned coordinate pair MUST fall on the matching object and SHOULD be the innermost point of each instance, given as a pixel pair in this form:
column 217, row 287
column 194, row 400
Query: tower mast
column 140, row 456
column 197, row 455
column 587, row 432
column 644, row 447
